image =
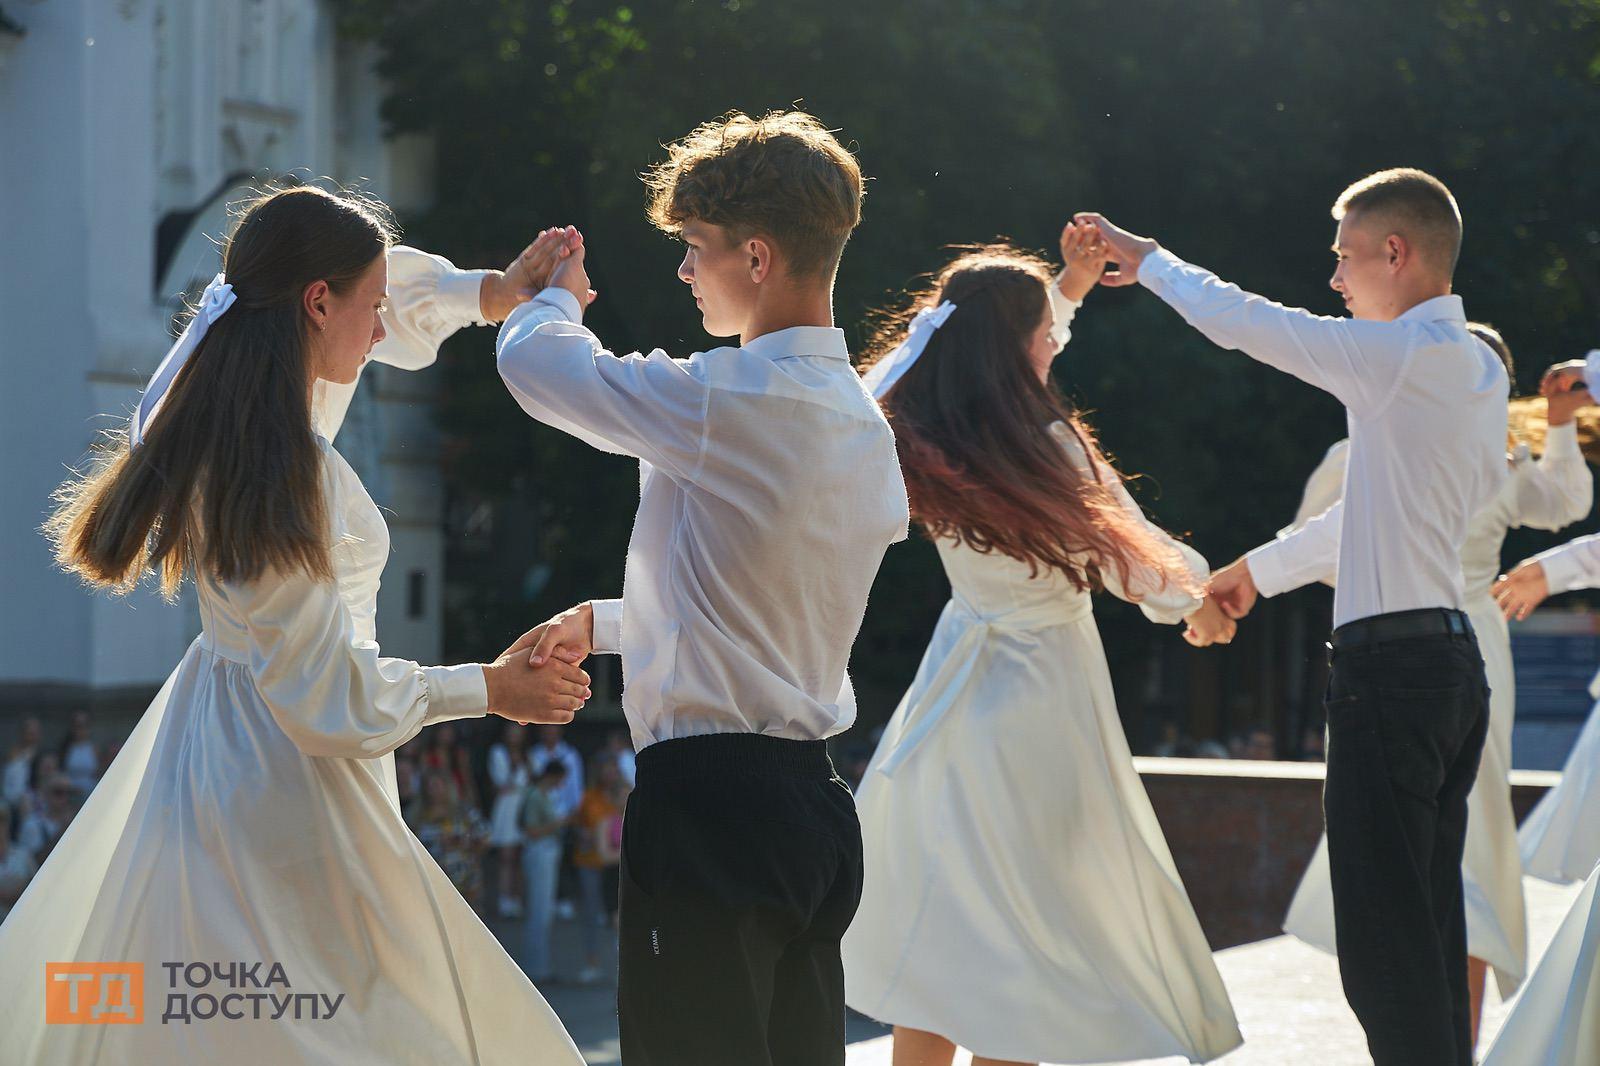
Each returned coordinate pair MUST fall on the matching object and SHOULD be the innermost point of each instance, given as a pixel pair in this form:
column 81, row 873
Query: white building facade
column 126, row 129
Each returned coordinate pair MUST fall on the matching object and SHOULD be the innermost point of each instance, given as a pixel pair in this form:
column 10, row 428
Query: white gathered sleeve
column 1359, row 362
column 652, row 407
column 1065, row 308
column 1557, row 489
column 429, row 300
column 331, row 692
column 1161, row 599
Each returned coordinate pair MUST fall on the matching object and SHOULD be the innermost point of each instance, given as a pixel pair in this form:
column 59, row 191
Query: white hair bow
column 888, row 370
column 217, row 298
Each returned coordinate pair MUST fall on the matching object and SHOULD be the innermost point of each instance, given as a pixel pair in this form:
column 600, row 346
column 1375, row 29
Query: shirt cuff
column 607, row 624
column 1563, row 571
column 455, row 692
column 1157, row 265
column 1268, row 569
column 1562, row 441
column 563, row 301
column 460, row 295
column 1591, row 371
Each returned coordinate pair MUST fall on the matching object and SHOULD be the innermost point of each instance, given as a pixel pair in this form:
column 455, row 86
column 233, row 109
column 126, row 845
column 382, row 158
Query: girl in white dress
column 245, row 850
column 1020, row 900
column 1560, row 838
column 1548, row 493
column 509, row 773
column 1556, row 1021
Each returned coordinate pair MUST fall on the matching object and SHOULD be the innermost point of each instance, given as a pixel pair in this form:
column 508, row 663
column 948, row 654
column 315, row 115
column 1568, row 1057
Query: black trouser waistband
column 734, row 753
column 1401, row 625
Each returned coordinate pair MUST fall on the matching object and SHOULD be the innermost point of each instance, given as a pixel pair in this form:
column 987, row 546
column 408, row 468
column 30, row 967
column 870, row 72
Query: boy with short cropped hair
column 769, row 493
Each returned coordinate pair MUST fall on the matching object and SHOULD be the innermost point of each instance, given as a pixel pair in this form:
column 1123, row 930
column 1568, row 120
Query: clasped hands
column 554, row 259
column 537, row 679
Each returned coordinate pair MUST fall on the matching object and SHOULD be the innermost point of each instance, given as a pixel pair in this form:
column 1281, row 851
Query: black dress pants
column 1406, row 725
column 741, row 870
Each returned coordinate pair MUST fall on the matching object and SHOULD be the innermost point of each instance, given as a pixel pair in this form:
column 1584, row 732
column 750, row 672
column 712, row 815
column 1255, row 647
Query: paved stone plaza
column 1286, row 995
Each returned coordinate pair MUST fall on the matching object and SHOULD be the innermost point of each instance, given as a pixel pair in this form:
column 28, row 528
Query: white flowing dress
column 1556, row 1022
column 251, row 820
column 1560, row 838
column 1548, row 493
column 1020, row 898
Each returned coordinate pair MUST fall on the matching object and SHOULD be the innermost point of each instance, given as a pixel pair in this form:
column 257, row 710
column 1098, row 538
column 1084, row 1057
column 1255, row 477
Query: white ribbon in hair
column 886, row 371
column 217, row 298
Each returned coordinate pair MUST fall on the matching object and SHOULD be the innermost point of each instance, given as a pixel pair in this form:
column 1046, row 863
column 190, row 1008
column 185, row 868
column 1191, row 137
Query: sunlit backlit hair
column 783, row 176
column 1412, row 203
column 228, row 481
column 977, row 432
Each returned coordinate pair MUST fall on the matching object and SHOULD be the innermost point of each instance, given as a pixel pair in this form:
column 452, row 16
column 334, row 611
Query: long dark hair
column 228, row 480
column 973, row 425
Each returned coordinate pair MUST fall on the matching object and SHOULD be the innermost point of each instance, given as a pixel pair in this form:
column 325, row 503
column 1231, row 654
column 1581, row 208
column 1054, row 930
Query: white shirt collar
column 1446, row 308
column 826, row 341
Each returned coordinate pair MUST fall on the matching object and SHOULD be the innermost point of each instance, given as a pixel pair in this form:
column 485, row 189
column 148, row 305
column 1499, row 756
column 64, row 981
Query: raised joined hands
column 1126, row 250
column 531, row 272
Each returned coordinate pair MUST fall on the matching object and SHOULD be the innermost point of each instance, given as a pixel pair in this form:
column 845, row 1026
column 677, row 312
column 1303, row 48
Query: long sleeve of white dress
column 328, row 686
column 429, row 300
column 1162, row 600
column 331, row 692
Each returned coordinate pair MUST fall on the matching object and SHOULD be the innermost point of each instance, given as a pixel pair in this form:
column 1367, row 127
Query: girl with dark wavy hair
column 250, row 827
column 1020, row 900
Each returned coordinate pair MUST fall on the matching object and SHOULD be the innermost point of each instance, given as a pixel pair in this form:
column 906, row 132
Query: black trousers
column 1406, row 725
column 741, row 870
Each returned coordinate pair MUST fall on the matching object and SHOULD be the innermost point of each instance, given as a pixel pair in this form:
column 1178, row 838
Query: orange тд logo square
column 93, row 993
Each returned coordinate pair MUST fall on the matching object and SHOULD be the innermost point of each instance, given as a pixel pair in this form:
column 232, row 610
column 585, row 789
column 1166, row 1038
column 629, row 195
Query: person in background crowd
column 14, row 777
column 16, row 866
column 509, row 773
column 543, row 819
column 597, row 813
column 43, row 826
column 552, row 747
column 407, row 782
column 453, row 832
column 1260, row 745
column 620, row 748
column 79, row 759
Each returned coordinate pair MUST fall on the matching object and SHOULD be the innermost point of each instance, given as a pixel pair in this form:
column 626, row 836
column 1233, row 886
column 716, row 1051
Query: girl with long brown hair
column 1020, row 900
column 250, row 827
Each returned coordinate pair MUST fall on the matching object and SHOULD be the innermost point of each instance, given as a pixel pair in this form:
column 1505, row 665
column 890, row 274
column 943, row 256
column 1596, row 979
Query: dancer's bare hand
column 1234, row 589
column 550, row 694
column 1209, row 625
column 571, row 273
column 1127, row 250
column 1563, row 377
column 501, row 291
column 1520, row 591
column 1083, row 254
column 568, row 637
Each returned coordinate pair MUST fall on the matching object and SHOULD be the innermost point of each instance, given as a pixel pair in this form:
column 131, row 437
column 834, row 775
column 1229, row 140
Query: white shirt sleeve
column 652, row 407
column 607, row 626
column 1558, row 489
column 429, row 300
column 1573, row 565
column 1591, row 371
column 1299, row 556
column 1161, row 600
column 1359, row 362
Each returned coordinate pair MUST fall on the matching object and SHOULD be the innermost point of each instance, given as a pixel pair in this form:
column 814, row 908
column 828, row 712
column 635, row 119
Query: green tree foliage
column 1226, row 129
